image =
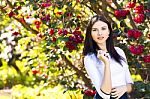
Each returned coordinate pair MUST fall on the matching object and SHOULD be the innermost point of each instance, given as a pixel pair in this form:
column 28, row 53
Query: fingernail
column 99, row 51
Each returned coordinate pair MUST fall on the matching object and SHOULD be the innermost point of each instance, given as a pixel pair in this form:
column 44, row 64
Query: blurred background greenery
column 41, row 43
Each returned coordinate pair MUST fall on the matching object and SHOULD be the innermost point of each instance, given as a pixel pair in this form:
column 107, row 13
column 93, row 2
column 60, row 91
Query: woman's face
column 100, row 32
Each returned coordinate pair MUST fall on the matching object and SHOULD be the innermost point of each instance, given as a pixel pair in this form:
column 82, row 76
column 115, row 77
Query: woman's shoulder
column 90, row 55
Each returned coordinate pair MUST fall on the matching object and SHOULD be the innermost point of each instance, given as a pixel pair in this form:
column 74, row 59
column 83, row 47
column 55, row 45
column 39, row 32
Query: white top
column 120, row 74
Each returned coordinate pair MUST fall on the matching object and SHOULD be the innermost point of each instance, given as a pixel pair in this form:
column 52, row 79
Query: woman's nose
column 99, row 34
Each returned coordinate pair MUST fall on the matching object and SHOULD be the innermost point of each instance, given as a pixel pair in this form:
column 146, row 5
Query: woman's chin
column 100, row 42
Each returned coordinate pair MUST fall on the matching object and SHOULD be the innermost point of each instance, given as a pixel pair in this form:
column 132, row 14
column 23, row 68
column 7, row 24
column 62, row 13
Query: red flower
column 76, row 39
column 121, row 13
column 45, row 18
column 37, row 22
column 139, row 18
column 70, row 45
column 139, row 9
column 46, row 76
column 69, row 14
column 130, row 33
column 149, row 36
column 79, row 39
column 15, row 33
column 40, row 35
column 127, row 12
column 77, row 28
column 146, row 59
column 35, row 71
column 90, row 92
column 137, row 34
column 78, row 16
column 51, row 32
column 11, row 13
column 130, row 5
column 59, row 13
column 18, row 8
column 54, row 39
column 37, row 26
column 62, row 32
column 136, row 49
column 45, row 4
column 134, row 33
column 77, row 32
column 27, row 17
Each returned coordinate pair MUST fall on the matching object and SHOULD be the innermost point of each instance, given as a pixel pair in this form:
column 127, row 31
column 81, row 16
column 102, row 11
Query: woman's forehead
column 99, row 24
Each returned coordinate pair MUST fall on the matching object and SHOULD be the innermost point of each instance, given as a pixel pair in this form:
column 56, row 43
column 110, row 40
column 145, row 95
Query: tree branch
column 24, row 24
column 117, row 5
column 2, row 9
column 104, row 9
column 9, row 3
column 78, row 72
column 131, row 21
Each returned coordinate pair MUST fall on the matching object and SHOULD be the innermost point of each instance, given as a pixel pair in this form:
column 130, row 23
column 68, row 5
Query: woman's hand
column 118, row 91
column 102, row 55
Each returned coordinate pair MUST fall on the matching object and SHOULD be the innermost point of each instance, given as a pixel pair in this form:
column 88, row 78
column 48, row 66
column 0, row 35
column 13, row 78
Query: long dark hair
column 90, row 46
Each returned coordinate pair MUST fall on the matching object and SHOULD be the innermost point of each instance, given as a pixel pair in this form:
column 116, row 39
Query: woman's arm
column 129, row 88
column 119, row 91
column 106, row 80
column 94, row 74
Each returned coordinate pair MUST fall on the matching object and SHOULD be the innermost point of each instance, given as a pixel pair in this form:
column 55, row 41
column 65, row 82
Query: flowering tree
column 47, row 38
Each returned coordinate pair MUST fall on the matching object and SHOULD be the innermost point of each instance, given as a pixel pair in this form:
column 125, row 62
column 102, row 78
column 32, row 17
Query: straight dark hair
column 90, row 46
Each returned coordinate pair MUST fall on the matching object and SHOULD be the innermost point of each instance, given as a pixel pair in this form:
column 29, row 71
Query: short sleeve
column 125, row 64
column 94, row 74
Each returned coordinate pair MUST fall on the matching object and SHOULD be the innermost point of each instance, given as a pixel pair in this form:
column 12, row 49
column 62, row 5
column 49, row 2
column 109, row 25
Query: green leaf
column 62, row 39
column 140, row 27
column 140, row 86
column 16, row 4
column 122, row 23
column 148, row 87
column 22, row 3
column 148, row 14
column 35, row 7
column 48, row 43
column 93, row 1
column 63, row 82
column 53, row 25
column 69, row 4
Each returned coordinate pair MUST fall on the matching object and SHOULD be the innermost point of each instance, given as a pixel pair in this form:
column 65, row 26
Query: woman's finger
column 113, row 90
column 100, row 51
column 114, row 95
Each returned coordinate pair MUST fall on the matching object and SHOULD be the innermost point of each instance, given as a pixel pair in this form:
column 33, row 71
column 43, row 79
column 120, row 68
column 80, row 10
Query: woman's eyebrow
column 104, row 26
column 99, row 27
column 94, row 28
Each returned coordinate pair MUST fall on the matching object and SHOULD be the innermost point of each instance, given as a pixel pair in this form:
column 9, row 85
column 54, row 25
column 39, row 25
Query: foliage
column 141, row 90
column 38, row 92
column 43, row 39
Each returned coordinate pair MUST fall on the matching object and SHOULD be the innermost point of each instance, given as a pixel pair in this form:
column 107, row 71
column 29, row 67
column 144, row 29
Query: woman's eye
column 103, row 28
column 94, row 29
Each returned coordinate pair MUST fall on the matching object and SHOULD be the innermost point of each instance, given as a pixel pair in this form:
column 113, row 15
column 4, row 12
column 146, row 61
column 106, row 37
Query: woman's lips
column 100, row 38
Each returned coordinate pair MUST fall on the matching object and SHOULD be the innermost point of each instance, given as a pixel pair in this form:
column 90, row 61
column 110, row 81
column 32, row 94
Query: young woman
column 105, row 64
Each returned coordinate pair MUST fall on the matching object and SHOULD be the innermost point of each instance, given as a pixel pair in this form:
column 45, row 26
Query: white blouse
column 120, row 74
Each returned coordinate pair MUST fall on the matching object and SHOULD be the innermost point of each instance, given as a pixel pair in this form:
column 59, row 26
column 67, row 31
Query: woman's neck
column 102, row 46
